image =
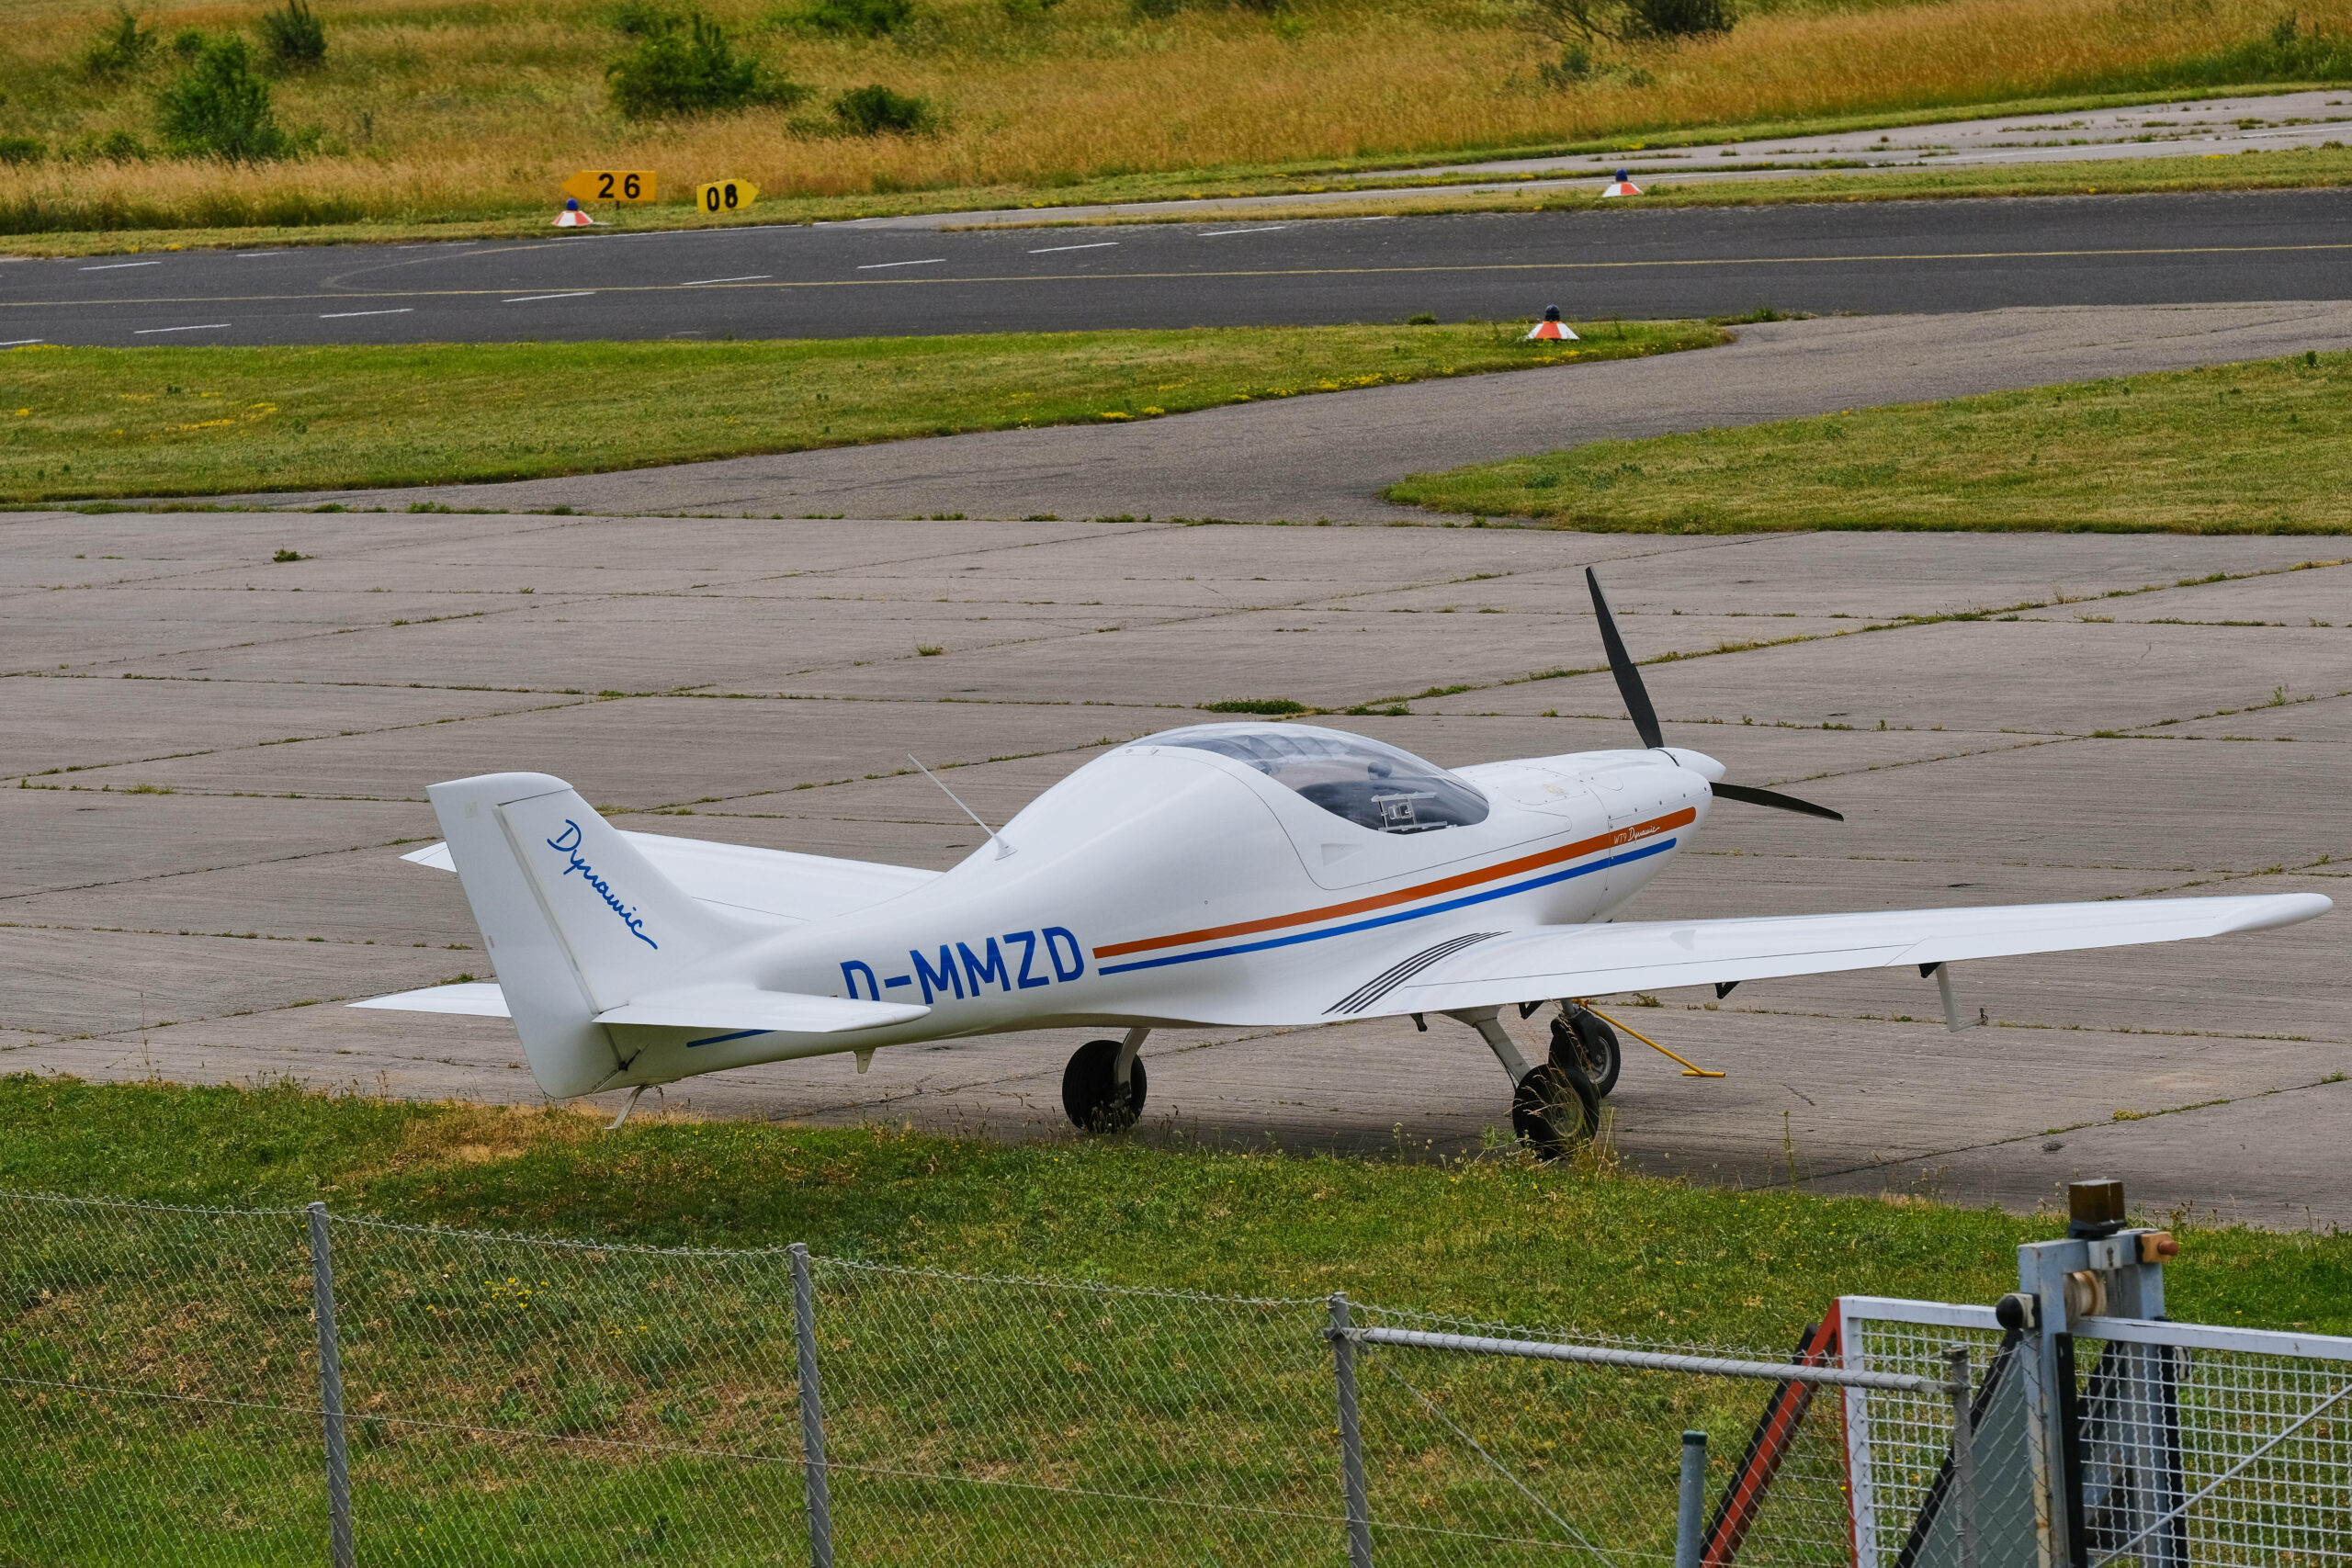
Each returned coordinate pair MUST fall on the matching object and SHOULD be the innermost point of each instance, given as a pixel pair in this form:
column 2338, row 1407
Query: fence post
column 1690, row 1504
column 339, row 1546
column 1963, row 1460
column 812, row 1411
column 1343, row 1366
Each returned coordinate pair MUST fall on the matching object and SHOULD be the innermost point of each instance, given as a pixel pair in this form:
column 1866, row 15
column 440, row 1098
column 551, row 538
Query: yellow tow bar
column 1688, row 1069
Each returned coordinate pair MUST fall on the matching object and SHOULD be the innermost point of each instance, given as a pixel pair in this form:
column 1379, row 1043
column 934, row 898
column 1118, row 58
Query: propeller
column 1637, row 703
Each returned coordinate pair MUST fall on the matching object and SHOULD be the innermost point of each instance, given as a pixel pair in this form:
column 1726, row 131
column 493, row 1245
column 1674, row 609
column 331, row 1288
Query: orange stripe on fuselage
column 1405, row 896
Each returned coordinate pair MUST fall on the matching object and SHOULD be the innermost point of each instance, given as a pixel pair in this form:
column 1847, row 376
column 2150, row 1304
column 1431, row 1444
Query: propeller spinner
column 1637, row 703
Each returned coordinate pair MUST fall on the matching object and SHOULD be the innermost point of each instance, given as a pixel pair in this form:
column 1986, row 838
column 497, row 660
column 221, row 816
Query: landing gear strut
column 1102, row 1088
column 1553, row 1105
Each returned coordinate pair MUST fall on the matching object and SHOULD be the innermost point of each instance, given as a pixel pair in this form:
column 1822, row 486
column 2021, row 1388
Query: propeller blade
column 1774, row 799
column 1620, row 664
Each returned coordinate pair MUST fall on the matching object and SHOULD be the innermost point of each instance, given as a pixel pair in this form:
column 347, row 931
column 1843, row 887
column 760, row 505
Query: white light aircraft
column 1233, row 874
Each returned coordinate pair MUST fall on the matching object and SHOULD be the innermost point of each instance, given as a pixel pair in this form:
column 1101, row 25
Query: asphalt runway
column 248, row 744
column 850, row 280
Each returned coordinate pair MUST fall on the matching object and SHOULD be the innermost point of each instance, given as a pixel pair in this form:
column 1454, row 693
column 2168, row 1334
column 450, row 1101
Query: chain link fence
column 167, row 1375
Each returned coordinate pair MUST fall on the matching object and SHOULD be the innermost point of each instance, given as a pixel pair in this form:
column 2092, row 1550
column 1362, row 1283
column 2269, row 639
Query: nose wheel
column 1586, row 1041
column 1091, row 1094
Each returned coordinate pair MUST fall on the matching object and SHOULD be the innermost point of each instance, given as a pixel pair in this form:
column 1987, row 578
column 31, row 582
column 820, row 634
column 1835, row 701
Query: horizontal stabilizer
column 473, row 999
column 750, row 1007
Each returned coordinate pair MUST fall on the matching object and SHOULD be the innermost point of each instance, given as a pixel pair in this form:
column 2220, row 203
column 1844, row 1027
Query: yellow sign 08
column 725, row 195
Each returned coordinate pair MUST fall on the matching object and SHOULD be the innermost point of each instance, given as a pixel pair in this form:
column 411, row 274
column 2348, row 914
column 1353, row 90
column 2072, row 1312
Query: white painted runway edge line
column 111, row 267
column 927, row 261
column 1219, row 234
column 248, row 255
column 747, row 277
column 1097, row 246
column 346, row 315
column 527, row 299
column 200, row 327
column 22, row 341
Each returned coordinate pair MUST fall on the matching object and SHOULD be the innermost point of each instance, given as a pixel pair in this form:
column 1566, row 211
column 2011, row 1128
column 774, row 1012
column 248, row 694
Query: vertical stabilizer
column 577, row 921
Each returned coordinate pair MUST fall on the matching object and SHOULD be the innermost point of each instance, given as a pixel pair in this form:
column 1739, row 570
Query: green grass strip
column 1494, row 1238
column 2260, row 447
column 85, row 424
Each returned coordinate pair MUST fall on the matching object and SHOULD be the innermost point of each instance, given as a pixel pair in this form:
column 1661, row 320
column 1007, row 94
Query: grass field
column 525, row 1404
column 94, row 423
column 429, row 114
column 1494, row 1238
column 2263, row 447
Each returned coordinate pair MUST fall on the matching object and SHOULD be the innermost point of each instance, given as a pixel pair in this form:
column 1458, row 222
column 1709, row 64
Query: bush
column 221, row 110
column 639, row 19
column 1589, row 22
column 875, row 110
column 1574, row 66
column 854, row 18
column 22, row 150
column 122, row 48
column 188, row 43
column 1669, row 19
column 294, row 38
column 692, row 72
column 115, row 147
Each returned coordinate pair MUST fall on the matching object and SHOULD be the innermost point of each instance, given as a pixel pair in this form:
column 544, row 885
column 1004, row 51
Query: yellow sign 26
column 610, row 184
column 726, row 196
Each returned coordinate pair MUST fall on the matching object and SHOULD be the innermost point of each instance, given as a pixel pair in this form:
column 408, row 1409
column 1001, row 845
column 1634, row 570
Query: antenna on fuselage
column 1002, row 849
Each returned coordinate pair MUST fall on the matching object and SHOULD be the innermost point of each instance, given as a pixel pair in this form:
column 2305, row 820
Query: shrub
column 115, row 147
column 221, row 110
column 639, row 19
column 188, row 43
column 875, row 110
column 854, row 18
column 694, row 71
column 122, row 48
column 1670, row 19
column 294, row 38
column 1574, row 66
column 1584, row 23
column 22, row 150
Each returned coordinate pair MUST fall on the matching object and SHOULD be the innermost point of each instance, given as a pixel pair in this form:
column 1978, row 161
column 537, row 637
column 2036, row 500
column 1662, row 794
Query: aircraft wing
column 739, row 879
column 1587, row 961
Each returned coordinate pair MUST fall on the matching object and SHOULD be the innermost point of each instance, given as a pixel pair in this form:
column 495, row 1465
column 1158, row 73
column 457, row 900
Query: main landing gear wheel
column 1582, row 1038
column 1553, row 1109
column 1090, row 1090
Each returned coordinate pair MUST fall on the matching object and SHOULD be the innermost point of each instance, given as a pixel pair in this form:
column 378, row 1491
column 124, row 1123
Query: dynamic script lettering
column 566, row 843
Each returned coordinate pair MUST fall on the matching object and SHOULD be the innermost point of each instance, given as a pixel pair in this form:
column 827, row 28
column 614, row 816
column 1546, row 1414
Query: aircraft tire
column 1582, row 1038
column 1554, row 1108
column 1090, row 1095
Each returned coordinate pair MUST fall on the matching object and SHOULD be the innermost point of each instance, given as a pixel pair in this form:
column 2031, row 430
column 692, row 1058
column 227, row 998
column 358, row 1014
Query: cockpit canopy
column 1371, row 785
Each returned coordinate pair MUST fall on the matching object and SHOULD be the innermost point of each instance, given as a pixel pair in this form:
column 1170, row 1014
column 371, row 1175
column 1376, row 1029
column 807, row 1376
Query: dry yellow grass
column 432, row 111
